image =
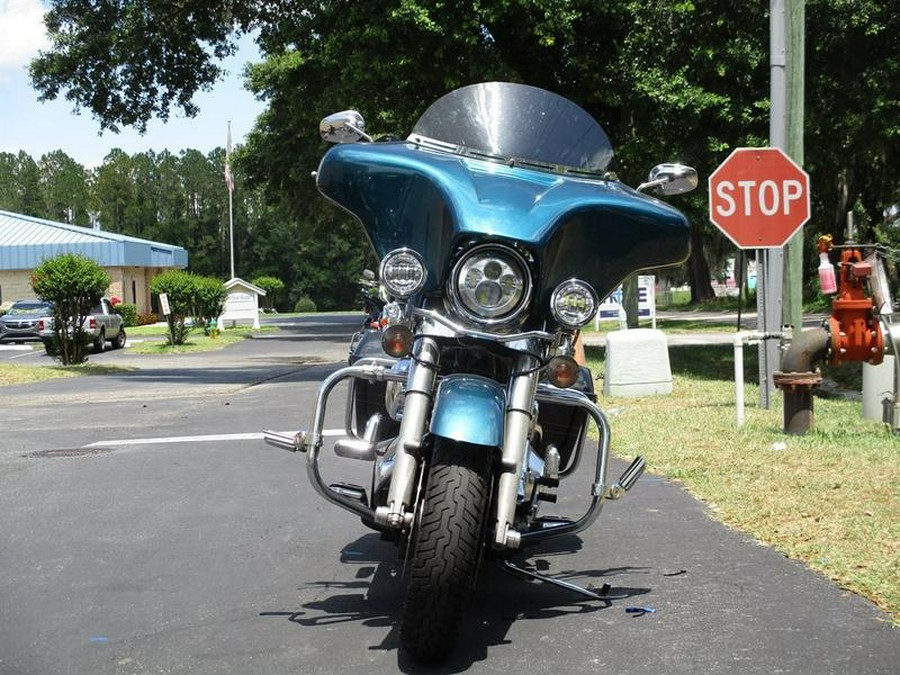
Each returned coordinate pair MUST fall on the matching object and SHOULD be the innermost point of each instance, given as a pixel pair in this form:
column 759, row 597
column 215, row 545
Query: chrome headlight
column 574, row 303
column 403, row 272
column 490, row 285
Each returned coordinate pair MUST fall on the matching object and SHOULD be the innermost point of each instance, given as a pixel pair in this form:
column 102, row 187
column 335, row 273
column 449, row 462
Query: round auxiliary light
column 574, row 303
column 397, row 341
column 562, row 371
column 491, row 284
column 403, row 272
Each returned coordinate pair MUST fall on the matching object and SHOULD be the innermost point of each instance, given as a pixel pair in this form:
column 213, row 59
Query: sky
column 38, row 128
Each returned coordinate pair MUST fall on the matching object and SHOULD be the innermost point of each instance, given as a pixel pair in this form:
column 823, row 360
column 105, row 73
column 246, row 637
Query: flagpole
column 229, row 181
column 231, row 231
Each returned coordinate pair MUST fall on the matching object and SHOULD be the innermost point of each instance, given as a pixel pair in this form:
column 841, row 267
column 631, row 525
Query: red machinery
column 854, row 326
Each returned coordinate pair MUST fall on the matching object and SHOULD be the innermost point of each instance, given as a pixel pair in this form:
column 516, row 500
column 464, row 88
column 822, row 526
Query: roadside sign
column 164, row 301
column 758, row 197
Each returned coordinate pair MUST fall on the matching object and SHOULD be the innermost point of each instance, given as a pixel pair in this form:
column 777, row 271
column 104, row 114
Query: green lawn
column 829, row 498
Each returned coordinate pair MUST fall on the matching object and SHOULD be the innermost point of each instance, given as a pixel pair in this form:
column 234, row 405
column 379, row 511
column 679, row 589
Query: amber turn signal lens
column 562, row 371
column 397, row 341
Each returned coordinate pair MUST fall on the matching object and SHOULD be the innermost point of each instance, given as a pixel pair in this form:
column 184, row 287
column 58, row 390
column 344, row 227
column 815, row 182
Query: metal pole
column 230, row 180
column 768, row 295
column 231, row 232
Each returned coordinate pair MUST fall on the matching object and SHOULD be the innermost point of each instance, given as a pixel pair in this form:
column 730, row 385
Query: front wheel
column 447, row 548
column 100, row 342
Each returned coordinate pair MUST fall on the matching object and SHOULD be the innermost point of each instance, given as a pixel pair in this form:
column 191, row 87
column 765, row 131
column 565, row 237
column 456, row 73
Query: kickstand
column 511, row 568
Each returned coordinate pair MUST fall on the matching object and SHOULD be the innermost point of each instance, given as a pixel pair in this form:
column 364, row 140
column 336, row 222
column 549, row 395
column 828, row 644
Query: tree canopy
column 669, row 79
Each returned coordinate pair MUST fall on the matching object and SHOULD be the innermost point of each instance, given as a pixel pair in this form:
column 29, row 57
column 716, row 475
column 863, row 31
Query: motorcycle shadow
column 374, row 598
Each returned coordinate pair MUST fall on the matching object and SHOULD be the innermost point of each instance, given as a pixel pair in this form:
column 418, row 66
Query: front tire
column 448, row 547
column 120, row 340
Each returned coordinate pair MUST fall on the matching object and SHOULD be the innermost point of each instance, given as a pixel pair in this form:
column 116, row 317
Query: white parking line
column 209, row 438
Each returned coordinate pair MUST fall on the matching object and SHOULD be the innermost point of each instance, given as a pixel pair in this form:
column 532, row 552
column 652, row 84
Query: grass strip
column 829, row 498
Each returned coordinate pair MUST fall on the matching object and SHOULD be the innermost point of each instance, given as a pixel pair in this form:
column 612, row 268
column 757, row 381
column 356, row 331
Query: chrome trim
column 443, row 146
column 459, row 306
column 420, row 383
column 559, row 289
column 517, row 428
column 463, row 331
column 413, row 254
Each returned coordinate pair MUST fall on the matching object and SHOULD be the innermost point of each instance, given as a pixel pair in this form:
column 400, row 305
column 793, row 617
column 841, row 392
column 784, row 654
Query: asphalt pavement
column 145, row 528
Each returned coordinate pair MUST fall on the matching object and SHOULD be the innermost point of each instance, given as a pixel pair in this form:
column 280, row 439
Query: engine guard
column 469, row 409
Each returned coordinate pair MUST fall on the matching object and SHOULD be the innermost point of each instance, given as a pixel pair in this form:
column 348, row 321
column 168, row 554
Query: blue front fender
column 470, row 409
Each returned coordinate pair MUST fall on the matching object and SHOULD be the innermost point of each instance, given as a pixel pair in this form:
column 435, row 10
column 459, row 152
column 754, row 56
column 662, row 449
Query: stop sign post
column 758, row 197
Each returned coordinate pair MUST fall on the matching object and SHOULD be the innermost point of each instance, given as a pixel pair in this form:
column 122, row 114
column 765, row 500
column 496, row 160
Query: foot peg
column 286, row 440
column 628, row 479
column 351, row 491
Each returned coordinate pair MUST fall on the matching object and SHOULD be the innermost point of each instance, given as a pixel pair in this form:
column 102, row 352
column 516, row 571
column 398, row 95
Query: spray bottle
column 827, row 281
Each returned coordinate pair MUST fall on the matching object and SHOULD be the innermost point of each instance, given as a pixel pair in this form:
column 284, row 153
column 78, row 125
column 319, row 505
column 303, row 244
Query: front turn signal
column 397, row 341
column 562, row 371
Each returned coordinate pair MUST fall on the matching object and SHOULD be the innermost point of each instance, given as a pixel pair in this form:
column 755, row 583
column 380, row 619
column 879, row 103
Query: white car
column 102, row 325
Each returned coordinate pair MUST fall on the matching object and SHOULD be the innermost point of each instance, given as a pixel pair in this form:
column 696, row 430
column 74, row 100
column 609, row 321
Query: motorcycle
column 499, row 228
column 367, row 340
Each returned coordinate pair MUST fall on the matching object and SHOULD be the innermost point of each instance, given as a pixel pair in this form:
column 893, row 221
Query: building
column 130, row 262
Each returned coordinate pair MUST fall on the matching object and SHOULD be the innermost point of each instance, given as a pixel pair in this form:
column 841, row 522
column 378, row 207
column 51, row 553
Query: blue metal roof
column 25, row 242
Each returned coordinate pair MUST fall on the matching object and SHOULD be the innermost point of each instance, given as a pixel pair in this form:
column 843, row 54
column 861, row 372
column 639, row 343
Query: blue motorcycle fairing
column 469, row 408
column 598, row 230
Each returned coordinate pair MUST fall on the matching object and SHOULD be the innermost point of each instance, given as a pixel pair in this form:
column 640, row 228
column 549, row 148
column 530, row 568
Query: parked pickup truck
column 102, row 325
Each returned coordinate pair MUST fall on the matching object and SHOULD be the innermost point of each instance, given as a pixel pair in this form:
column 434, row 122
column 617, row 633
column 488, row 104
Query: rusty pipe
column 806, row 351
column 799, row 376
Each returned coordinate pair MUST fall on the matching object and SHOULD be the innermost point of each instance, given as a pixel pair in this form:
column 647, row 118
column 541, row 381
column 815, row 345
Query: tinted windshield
column 517, row 122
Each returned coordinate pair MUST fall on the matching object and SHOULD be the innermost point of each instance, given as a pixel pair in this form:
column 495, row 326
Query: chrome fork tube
column 519, row 413
column 417, row 406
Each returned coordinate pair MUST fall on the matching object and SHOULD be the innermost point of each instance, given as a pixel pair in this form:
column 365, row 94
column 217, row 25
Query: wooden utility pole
column 795, row 30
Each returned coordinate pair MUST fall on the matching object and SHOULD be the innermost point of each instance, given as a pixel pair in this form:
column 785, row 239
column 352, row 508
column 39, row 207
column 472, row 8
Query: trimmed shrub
column 73, row 284
column 305, row 305
column 128, row 313
column 148, row 318
column 272, row 286
column 179, row 287
column 209, row 301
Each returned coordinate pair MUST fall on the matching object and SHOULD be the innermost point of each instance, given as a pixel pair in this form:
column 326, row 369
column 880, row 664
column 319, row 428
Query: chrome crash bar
column 599, row 488
column 373, row 370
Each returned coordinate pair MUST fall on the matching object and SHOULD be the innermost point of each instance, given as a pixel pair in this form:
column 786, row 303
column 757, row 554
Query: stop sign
column 758, row 197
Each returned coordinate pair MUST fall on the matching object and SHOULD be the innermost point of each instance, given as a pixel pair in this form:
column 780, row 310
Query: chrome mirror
column 344, row 127
column 670, row 179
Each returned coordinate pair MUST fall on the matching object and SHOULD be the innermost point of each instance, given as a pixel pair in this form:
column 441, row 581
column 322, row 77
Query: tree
column 114, row 192
column 178, row 287
column 209, row 301
column 65, row 188
column 669, row 80
column 272, row 286
column 9, row 193
column 73, row 284
column 30, row 198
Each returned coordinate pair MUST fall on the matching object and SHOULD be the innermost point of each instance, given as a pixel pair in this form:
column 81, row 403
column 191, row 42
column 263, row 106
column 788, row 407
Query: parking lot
column 148, row 529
